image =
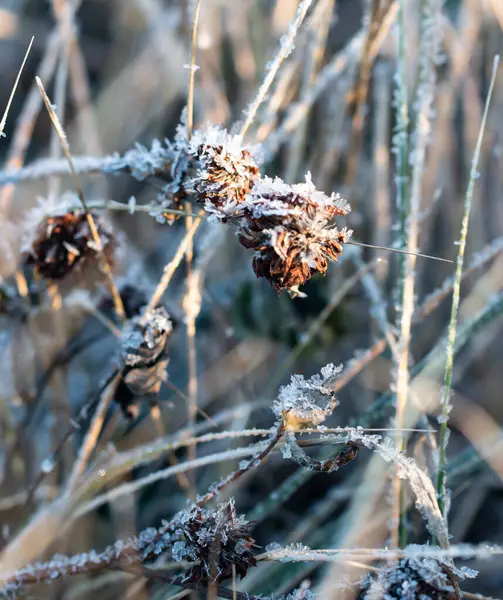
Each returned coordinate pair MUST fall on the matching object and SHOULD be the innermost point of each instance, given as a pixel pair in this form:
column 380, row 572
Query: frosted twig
column 409, row 204
column 130, row 488
column 444, row 401
column 299, row 553
column 285, row 48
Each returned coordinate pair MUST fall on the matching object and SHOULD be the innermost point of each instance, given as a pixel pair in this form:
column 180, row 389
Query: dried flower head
column 214, row 540
column 65, row 242
column 307, row 403
column 411, row 579
column 291, row 230
column 226, row 170
column 143, row 358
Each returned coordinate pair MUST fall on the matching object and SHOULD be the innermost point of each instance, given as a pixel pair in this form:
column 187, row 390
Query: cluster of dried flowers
column 291, row 228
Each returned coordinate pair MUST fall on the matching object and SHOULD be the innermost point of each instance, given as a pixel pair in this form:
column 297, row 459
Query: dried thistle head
column 413, row 579
column 63, row 243
column 143, row 357
column 214, row 540
column 226, row 170
column 291, row 230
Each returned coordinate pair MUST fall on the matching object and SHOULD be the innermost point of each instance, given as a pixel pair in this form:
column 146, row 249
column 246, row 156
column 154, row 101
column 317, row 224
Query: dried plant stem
column 361, row 93
column 171, row 267
column 431, row 12
column 14, row 88
column 444, row 401
column 284, row 51
column 92, row 435
column 119, row 307
column 192, row 72
column 190, row 315
column 129, row 488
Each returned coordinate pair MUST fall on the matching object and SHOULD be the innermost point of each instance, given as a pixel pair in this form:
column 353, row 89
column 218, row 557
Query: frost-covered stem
column 444, row 400
column 170, row 268
column 92, row 435
column 286, row 46
column 192, row 72
column 401, row 150
column 401, row 137
column 463, row 551
column 190, row 316
column 47, row 167
column 429, row 48
column 253, row 462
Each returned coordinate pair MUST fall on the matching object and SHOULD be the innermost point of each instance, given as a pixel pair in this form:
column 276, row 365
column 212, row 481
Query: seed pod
column 414, row 579
column 215, row 540
column 291, row 230
column 226, row 171
column 143, row 358
column 64, row 243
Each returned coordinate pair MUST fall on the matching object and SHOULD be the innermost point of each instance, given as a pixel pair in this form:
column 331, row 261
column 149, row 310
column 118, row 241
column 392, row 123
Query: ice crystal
column 307, row 402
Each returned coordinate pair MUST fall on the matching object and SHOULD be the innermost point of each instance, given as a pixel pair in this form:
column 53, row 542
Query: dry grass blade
column 107, row 269
column 14, row 87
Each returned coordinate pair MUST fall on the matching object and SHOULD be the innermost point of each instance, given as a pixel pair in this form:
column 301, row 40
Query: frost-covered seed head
column 307, row 403
column 64, row 242
column 291, row 230
column 215, row 540
column 143, row 357
column 411, row 579
column 227, row 170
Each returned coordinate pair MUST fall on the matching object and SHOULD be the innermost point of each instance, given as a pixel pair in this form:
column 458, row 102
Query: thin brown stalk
column 361, row 93
column 171, row 267
column 107, row 269
column 92, row 435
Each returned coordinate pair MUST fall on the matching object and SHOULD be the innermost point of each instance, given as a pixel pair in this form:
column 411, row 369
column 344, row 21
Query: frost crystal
column 298, row 403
